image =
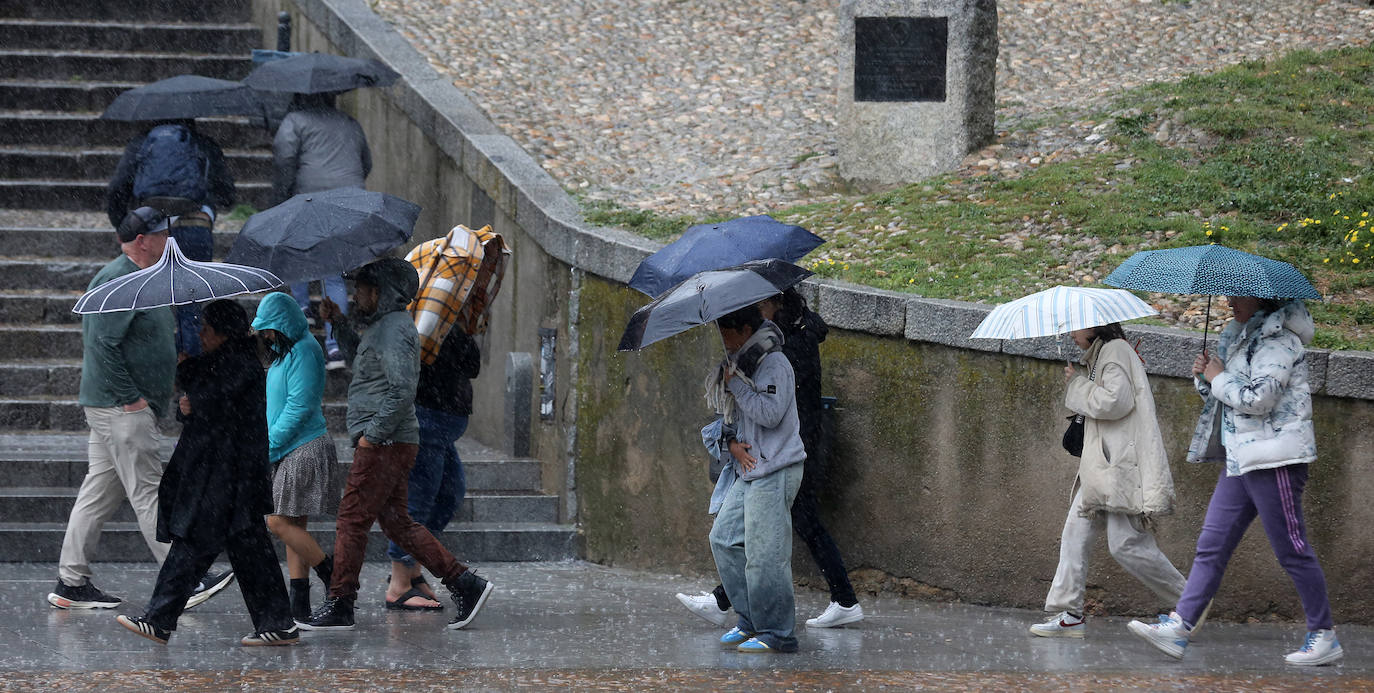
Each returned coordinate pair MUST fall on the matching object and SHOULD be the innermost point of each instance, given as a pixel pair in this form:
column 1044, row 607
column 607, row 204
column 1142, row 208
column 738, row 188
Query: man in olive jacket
column 380, row 340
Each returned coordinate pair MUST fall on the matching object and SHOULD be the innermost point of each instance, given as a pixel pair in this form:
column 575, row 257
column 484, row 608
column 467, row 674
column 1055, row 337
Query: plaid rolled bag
column 460, row 274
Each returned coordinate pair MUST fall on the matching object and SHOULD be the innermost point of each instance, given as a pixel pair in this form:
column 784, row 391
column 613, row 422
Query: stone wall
column 947, row 472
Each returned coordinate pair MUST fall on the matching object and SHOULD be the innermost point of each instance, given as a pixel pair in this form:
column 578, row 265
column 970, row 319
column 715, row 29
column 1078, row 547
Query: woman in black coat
column 216, row 488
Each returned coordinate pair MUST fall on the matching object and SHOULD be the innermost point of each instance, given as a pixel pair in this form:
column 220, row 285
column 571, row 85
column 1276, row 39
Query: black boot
column 325, row 569
column 469, row 593
column 336, row 613
column 300, row 598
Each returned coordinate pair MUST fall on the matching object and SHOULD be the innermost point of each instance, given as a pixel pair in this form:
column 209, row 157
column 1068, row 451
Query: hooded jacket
column 384, row 351
column 1124, row 467
column 1257, row 414
column 295, row 383
column 316, row 149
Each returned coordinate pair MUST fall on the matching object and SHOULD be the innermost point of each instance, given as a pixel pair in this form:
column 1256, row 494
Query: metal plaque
column 900, row 58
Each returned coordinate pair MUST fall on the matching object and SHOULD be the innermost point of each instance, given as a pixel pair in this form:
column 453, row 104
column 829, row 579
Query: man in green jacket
column 379, row 339
column 128, row 366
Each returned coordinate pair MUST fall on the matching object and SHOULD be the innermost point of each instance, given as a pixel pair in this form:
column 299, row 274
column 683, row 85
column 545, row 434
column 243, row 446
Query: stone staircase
column 60, row 65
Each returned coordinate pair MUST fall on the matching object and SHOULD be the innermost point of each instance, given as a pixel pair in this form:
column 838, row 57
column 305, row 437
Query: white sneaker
column 705, row 606
column 1321, row 647
column 1169, row 635
column 836, row 615
column 1061, row 625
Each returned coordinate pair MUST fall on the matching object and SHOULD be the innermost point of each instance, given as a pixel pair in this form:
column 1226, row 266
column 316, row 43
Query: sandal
column 401, row 605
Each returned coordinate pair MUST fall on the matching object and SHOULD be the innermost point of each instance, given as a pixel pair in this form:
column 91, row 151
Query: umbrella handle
column 1206, row 321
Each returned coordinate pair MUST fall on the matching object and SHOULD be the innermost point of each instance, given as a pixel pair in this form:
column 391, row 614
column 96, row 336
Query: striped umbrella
column 460, row 274
column 174, row 281
column 1059, row 310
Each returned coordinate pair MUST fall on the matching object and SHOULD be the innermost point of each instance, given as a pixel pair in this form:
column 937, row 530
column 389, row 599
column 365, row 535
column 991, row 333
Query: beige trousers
column 1130, row 544
column 122, row 463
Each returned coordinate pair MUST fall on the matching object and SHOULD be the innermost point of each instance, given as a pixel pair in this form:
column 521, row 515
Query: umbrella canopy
column 717, row 246
column 175, row 281
column 1059, row 310
column 324, row 234
column 183, row 97
column 1212, row 270
column 460, row 275
column 318, row 73
column 705, row 296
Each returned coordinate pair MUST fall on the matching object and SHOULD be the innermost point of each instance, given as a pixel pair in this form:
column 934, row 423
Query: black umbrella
column 183, row 97
column 324, row 234
column 318, row 73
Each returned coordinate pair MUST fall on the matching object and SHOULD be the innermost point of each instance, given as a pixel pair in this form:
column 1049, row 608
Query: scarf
column 741, row 364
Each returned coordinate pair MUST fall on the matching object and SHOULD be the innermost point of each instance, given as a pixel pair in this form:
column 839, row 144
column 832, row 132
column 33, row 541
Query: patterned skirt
column 308, row 480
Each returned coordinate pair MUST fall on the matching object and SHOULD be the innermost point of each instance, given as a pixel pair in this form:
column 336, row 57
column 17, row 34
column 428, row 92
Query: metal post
column 283, row 31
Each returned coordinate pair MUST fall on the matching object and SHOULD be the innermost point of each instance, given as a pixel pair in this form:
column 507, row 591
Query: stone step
column 62, row 378
column 223, row 11
column 64, row 413
column 471, row 542
column 101, row 66
column 95, row 245
column 54, row 504
column 56, row 273
column 67, row 35
column 40, row 341
column 35, row 95
column 57, row 129
column 247, row 166
column 90, row 194
column 55, row 459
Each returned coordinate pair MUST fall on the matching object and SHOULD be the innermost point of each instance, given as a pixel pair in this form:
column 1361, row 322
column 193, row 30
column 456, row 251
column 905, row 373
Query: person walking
column 214, row 491
column 751, row 538
column 181, row 173
column 443, row 403
column 803, row 331
column 128, row 364
column 318, row 147
column 1123, row 480
column 305, row 475
column 385, row 353
column 1257, row 419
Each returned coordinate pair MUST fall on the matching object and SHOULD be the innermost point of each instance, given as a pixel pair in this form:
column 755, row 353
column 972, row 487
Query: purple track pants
column 1275, row 495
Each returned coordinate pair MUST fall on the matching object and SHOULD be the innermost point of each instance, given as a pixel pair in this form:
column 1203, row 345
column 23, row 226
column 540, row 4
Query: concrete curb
column 530, row 196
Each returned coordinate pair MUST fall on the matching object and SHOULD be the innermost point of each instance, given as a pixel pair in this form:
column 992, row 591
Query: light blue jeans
column 752, row 544
column 337, row 291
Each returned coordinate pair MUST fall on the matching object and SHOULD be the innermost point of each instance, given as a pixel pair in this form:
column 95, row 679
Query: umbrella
column 175, row 280
column 705, row 296
column 1061, row 309
column 460, row 274
column 182, row 97
column 318, row 73
column 1213, row 270
column 717, row 246
column 324, row 234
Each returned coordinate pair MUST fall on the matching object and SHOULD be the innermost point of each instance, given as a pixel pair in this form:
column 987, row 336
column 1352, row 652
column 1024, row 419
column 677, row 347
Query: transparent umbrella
column 175, row 281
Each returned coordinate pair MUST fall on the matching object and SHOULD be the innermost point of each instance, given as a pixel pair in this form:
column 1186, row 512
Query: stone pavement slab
column 595, row 626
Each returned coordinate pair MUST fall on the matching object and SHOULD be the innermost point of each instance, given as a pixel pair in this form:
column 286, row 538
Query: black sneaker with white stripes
column 209, row 586
column 141, row 626
column 273, row 638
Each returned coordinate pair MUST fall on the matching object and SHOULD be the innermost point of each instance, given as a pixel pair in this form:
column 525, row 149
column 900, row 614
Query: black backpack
column 169, row 164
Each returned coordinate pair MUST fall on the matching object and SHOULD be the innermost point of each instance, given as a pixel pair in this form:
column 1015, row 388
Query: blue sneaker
column 1170, row 636
column 734, row 637
column 754, row 646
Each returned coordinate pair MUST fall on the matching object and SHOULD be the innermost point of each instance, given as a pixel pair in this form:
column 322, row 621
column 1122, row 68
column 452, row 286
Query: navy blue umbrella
column 1212, row 270
column 717, row 246
column 324, row 234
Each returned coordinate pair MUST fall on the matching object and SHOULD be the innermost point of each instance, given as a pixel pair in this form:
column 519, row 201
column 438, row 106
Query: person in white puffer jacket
column 1257, row 417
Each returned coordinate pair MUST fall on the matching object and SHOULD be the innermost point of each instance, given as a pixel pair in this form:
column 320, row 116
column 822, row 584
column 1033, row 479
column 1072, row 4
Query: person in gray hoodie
column 381, row 342
column 751, row 539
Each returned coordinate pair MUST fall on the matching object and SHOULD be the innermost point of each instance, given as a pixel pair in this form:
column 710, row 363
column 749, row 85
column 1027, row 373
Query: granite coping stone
column 524, row 191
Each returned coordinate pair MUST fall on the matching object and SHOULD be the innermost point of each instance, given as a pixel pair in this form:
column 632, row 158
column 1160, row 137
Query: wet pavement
column 586, row 627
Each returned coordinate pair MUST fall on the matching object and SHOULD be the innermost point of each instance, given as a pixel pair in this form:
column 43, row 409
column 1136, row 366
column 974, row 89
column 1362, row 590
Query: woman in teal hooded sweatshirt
column 305, row 478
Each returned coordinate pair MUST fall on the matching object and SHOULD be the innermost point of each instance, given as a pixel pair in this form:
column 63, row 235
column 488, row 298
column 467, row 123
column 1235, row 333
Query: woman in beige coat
column 1123, row 479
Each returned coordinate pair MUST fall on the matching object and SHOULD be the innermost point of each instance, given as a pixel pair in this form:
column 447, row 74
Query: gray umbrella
column 705, row 296
column 320, row 73
column 184, row 97
column 174, row 281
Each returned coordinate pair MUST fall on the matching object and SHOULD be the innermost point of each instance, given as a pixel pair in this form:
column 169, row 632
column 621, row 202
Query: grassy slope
column 1282, row 170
